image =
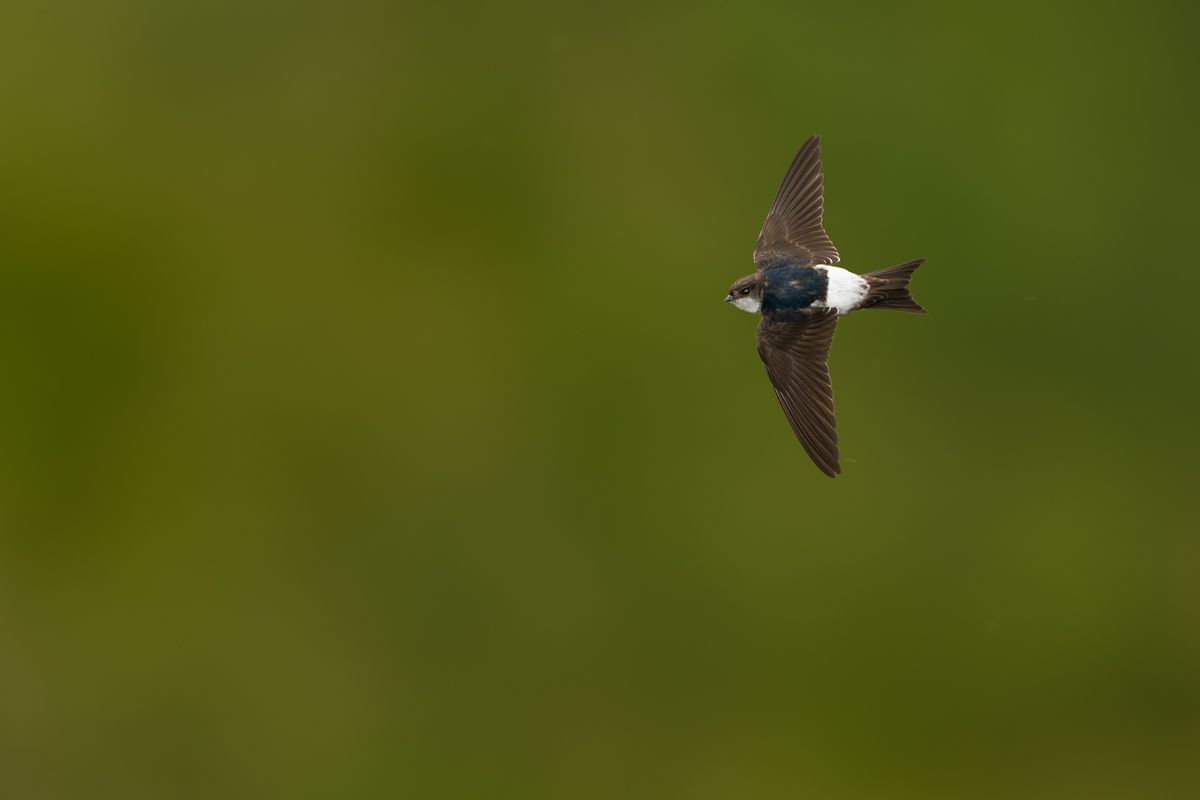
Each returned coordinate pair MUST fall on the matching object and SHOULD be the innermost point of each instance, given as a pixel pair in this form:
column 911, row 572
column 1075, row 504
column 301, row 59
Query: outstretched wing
column 795, row 352
column 793, row 228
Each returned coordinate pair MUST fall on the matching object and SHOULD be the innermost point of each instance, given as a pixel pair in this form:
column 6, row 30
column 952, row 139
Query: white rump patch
column 845, row 291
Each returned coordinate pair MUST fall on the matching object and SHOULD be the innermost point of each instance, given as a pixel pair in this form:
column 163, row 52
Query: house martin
column 800, row 294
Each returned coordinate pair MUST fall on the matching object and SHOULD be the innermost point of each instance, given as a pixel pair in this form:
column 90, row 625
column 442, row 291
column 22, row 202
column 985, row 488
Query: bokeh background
column 371, row 424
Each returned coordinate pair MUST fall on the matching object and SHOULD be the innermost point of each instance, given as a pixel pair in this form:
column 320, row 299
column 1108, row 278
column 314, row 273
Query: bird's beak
column 728, row 297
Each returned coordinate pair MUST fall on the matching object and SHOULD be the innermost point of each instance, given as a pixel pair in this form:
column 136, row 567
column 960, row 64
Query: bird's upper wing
column 793, row 228
column 795, row 352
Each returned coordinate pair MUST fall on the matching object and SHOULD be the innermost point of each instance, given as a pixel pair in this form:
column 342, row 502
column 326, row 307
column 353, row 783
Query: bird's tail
column 888, row 288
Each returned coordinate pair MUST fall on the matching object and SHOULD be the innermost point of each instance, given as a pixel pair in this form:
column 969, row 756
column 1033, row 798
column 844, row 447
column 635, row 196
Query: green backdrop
column 371, row 424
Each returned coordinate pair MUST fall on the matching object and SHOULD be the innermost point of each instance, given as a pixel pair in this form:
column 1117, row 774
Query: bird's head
column 746, row 293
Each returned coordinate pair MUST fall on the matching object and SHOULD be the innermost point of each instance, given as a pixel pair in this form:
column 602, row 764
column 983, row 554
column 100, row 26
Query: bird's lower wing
column 795, row 352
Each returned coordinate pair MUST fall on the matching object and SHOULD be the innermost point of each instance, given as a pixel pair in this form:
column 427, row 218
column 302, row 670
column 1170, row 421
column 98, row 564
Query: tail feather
column 888, row 288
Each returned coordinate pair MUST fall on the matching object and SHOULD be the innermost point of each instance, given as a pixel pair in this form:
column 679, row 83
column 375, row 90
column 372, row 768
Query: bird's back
column 792, row 289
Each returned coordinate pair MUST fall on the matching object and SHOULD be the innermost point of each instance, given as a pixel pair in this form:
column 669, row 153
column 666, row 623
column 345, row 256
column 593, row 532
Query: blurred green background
column 371, row 424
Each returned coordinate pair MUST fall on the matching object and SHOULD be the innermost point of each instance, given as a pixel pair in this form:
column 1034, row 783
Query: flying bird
column 800, row 295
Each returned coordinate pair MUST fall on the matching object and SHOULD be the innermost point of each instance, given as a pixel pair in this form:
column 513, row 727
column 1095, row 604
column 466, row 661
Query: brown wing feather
column 795, row 353
column 794, row 227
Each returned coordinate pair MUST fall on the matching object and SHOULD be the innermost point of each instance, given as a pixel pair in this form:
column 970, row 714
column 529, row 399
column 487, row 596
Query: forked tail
column 888, row 288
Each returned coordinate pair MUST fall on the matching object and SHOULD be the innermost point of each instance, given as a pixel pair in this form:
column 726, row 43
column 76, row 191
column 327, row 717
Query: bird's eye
column 746, row 290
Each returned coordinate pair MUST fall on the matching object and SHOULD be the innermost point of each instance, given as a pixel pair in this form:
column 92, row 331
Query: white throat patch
column 747, row 304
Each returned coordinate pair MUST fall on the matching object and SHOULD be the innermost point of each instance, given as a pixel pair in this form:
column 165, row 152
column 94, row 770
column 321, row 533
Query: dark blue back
column 791, row 288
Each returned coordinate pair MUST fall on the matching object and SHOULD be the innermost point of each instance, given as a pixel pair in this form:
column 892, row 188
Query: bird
column 800, row 294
